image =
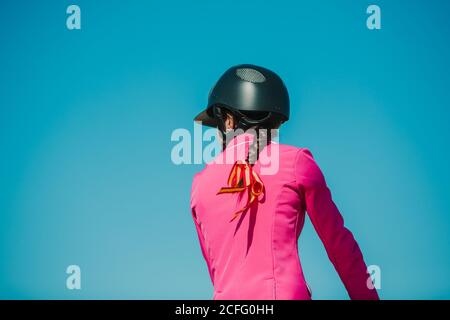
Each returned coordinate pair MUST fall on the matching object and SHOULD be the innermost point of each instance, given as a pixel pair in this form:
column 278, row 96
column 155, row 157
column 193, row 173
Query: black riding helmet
column 256, row 95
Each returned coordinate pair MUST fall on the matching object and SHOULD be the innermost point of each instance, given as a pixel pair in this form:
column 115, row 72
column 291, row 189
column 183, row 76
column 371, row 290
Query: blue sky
column 86, row 118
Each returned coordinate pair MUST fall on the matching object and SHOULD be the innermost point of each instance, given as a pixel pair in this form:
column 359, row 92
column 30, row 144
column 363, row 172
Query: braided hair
column 261, row 132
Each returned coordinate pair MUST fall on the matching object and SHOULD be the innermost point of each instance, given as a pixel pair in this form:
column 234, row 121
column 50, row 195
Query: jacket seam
column 272, row 233
column 303, row 198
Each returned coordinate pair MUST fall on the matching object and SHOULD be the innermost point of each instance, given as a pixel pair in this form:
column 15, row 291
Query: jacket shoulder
column 290, row 151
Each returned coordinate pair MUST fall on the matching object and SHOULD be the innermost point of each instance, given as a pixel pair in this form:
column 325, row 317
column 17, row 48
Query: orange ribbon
column 241, row 178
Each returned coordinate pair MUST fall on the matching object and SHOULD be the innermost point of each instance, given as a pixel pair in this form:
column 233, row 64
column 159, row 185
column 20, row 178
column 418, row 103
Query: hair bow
column 242, row 177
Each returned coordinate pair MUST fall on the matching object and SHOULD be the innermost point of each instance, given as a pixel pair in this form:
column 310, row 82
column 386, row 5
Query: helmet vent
column 250, row 75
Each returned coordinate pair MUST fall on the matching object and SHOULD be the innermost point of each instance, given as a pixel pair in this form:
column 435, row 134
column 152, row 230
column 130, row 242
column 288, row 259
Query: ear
column 229, row 121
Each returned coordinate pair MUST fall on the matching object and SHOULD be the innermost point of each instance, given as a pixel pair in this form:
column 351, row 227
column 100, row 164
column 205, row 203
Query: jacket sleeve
column 201, row 237
column 342, row 249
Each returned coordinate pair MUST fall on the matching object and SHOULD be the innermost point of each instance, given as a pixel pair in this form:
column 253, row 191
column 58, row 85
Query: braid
column 261, row 135
column 261, row 138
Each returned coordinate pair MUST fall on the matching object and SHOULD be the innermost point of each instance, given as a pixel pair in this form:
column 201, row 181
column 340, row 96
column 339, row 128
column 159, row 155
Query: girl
column 248, row 221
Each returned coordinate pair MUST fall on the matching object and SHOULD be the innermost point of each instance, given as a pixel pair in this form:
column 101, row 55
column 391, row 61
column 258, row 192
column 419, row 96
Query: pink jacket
column 255, row 256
